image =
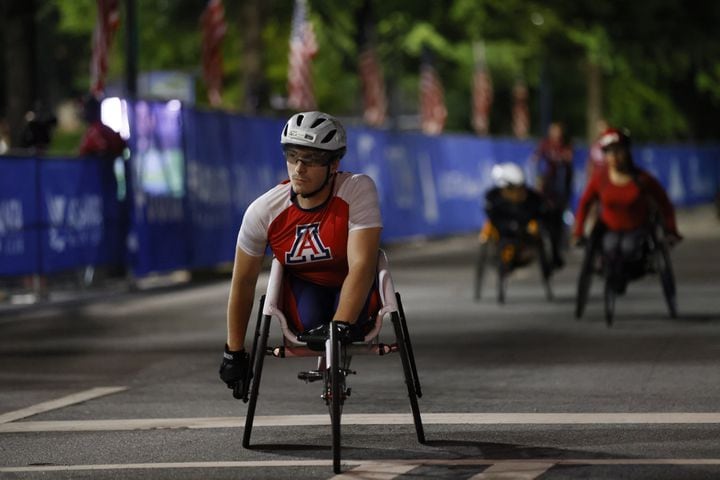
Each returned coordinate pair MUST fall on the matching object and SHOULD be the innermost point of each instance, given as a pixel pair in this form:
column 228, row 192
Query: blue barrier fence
column 193, row 173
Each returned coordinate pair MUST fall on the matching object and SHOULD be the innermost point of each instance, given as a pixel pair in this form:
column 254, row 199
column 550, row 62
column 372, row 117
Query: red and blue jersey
column 311, row 243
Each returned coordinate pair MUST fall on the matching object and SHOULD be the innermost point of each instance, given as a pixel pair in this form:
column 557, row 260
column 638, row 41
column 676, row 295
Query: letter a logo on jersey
column 307, row 246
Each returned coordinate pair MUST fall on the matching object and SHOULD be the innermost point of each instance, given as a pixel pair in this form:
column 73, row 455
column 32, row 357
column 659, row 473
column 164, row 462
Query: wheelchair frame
column 334, row 363
column 490, row 250
column 662, row 265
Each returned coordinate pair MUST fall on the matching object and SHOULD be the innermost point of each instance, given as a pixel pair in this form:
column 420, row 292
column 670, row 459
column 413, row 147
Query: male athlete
column 324, row 227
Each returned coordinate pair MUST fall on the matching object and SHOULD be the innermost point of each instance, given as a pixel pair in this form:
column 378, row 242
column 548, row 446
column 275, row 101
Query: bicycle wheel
column 610, row 295
column 667, row 278
column 336, row 393
column 480, row 263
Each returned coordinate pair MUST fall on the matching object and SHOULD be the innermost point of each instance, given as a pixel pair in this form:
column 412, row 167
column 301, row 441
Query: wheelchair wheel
column 502, row 281
column 585, row 280
column 480, row 263
column 545, row 266
column 610, row 295
column 335, row 389
column 667, row 278
column 258, row 359
column 407, row 358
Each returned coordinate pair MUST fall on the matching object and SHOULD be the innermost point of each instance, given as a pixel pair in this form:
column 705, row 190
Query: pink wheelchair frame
column 332, row 372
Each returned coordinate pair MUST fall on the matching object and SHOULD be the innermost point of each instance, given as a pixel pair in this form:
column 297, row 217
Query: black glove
column 315, row 338
column 349, row 333
column 234, row 369
column 580, row 241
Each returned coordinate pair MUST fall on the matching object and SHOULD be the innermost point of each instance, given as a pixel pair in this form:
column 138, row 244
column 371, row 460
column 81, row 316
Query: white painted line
column 161, row 466
column 513, row 471
column 370, row 465
column 365, row 419
column 376, row 471
column 59, row 403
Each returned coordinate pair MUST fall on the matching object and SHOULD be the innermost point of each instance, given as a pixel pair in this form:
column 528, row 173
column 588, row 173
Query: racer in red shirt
column 324, row 226
column 629, row 199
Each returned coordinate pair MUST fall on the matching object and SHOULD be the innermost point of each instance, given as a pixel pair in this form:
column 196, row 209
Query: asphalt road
column 126, row 386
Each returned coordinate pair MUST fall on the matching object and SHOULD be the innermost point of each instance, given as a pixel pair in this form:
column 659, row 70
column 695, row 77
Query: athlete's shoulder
column 354, row 182
column 272, row 202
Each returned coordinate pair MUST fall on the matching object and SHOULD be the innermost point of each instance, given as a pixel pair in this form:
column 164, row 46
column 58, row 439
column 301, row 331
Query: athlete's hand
column 234, row 369
column 673, row 238
column 578, row 241
column 349, row 333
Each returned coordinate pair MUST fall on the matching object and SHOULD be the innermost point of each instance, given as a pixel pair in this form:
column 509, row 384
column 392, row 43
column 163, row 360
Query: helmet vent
column 317, row 122
column 285, row 131
column 299, row 120
column 329, row 136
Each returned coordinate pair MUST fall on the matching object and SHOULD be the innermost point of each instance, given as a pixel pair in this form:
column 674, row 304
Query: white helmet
column 316, row 130
column 507, row 174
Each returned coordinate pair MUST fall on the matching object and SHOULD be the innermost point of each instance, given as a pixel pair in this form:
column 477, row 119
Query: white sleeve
column 362, row 197
column 252, row 237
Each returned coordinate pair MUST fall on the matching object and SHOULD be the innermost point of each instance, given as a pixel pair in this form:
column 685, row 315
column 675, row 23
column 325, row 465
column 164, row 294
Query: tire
column 408, row 363
column 610, row 295
column 584, row 281
column 545, row 267
column 336, row 391
column 480, row 264
column 667, row 278
column 502, row 282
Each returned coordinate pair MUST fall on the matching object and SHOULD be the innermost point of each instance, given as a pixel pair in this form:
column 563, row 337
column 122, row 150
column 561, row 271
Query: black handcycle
column 334, row 357
column 654, row 258
column 515, row 247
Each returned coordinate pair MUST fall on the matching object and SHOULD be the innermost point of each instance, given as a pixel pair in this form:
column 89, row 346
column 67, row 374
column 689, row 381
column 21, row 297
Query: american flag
column 482, row 92
column 373, row 85
column 303, row 48
column 520, row 112
column 107, row 23
column 432, row 98
column 213, row 32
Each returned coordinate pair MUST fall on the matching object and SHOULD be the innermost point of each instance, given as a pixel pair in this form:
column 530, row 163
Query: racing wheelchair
column 517, row 246
column 334, row 357
column 653, row 258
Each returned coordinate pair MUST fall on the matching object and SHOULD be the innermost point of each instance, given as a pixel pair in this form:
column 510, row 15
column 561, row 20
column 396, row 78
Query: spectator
column 99, row 139
column 37, row 132
column 554, row 164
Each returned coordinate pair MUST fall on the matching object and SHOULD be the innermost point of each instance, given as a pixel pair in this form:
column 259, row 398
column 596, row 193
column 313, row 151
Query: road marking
column 360, row 419
column 514, row 470
column 58, row 403
column 375, row 466
column 379, row 470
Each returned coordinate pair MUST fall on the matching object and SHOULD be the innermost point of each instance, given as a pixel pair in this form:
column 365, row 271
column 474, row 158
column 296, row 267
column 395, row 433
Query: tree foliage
column 658, row 58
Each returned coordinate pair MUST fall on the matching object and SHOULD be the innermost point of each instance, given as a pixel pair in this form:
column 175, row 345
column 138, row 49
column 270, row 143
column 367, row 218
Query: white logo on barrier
column 308, row 246
column 676, row 187
column 11, row 216
column 11, row 227
column 402, row 176
column 431, row 209
column 74, row 221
